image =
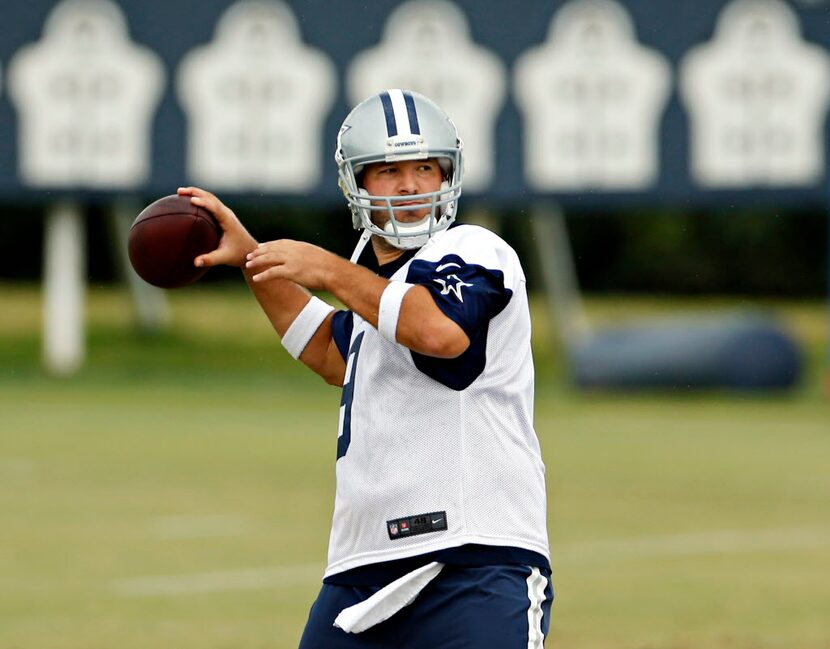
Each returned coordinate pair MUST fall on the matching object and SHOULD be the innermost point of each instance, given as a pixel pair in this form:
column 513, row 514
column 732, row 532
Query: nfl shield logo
column 393, row 529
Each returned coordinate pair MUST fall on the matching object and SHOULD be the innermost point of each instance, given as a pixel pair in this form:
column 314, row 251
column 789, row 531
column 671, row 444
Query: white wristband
column 389, row 309
column 305, row 325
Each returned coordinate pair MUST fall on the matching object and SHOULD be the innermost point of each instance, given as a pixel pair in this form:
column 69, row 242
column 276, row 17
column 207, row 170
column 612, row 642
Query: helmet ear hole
column 360, row 213
column 446, row 198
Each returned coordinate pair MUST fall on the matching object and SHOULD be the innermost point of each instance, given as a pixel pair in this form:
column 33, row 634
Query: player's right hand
column 236, row 242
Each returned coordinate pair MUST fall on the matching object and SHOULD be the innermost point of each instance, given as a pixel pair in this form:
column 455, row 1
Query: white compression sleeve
column 389, row 309
column 305, row 325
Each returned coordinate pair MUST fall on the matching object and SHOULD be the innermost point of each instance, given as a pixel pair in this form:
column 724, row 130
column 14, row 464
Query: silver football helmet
column 391, row 126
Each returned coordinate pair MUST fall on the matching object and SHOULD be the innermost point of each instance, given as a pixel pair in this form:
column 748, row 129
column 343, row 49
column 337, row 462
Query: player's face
column 403, row 178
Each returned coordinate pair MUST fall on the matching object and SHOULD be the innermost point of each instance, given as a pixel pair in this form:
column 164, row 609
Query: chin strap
column 361, row 244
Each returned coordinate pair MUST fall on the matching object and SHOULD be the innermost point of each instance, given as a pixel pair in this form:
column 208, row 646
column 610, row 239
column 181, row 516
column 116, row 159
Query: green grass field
column 177, row 493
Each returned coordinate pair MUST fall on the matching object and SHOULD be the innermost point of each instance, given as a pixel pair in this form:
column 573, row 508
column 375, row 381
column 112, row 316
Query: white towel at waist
column 388, row 600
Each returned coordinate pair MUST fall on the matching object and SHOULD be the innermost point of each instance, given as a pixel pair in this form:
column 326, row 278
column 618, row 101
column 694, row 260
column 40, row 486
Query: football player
column 439, row 534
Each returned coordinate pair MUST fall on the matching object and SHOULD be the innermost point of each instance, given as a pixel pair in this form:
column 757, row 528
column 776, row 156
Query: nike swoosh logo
column 435, row 521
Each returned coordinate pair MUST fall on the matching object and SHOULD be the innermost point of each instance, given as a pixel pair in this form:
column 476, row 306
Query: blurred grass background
column 178, row 491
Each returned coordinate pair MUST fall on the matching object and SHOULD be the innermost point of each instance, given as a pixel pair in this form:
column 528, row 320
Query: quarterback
column 439, row 534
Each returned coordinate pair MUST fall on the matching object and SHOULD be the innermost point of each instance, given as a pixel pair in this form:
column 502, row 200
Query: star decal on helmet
column 447, row 285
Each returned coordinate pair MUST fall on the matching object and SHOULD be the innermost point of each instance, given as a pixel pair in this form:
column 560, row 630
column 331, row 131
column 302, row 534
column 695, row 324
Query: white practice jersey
column 440, row 453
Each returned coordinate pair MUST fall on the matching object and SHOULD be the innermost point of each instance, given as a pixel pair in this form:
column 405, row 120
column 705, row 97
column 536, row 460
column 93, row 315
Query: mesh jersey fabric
column 448, row 436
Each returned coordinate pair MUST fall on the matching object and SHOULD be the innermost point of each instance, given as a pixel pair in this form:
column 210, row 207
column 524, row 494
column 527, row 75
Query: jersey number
column 344, row 436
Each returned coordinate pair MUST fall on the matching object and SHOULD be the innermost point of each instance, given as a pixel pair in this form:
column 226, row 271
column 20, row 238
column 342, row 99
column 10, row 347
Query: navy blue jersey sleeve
column 342, row 323
column 470, row 295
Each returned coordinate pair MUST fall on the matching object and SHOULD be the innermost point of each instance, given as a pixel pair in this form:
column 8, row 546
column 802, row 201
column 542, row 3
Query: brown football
column 167, row 236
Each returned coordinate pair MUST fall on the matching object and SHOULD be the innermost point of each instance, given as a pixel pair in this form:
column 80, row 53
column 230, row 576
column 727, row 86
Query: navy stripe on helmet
column 389, row 113
column 413, row 116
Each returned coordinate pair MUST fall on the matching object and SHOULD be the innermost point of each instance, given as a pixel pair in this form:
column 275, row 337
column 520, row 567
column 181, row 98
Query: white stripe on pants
column 536, row 583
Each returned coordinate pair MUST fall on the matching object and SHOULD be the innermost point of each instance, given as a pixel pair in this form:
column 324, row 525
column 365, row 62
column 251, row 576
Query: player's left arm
column 422, row 326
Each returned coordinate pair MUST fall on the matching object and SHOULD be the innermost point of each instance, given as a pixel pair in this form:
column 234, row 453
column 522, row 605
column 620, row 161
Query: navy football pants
column 498, row 607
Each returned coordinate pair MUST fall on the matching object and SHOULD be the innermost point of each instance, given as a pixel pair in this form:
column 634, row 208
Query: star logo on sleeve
column 452, row 284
